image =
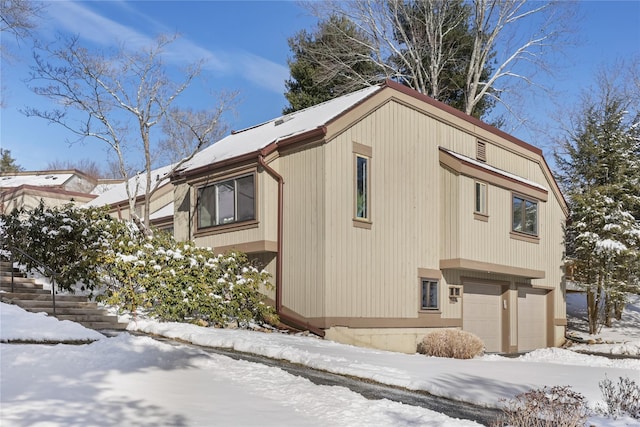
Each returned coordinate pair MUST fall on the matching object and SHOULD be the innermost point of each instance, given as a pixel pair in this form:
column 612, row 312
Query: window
column 480, row 205
column 362, row 187
column 226, row 202
column 525, row 216
column 429, row 294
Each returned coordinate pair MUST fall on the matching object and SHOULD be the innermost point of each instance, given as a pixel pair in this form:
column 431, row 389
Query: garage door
column 482, row 314
column 532, row 315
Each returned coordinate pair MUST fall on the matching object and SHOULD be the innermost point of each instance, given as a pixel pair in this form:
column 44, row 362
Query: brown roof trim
column 447, row 108
column 176, row 175
column 52, row 172
column 163, row 189
column 51, row 190
column 489, row 170
column 318, row 132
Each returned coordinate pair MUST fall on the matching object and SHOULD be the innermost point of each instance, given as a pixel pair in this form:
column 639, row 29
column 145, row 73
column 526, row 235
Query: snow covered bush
column 556, row 406
column 451, row 343
column 66, row 239
column 621, row 399
column 181, row 282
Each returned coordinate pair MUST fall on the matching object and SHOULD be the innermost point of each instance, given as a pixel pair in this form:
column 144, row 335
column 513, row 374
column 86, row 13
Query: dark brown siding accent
column 250, row 247
column 467, row 264
column 44, row 191
column 424, row 320
column 483, row 174
column 429, row 273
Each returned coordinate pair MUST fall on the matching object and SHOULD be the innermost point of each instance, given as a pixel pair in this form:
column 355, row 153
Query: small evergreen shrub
column 621, row 399
column 66, row 239
column 557, row 406
column 181, row 282
column 451, row 343
column 172, row 281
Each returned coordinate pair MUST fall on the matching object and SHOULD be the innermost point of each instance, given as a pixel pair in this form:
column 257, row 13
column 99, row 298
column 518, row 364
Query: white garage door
column 482, row 314
column 532, row 316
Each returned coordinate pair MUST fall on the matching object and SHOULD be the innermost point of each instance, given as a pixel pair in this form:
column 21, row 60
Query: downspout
column 285, row 317
column 280, row 180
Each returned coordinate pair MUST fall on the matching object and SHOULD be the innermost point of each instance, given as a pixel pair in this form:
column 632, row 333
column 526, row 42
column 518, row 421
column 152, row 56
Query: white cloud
column 77, row 18
column 261, row 71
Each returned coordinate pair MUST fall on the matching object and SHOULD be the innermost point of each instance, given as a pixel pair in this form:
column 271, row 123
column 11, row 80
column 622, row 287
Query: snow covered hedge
column 170, row 280
column 65, row 239
column 181, row 282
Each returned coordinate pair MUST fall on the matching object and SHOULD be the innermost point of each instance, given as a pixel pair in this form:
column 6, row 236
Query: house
column 161, row 204
column 53, row 187
column 384, row 214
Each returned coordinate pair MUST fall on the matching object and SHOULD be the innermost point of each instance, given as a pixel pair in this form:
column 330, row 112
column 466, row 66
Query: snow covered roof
column 38, row 179
column 494, row 169
column 118, row 192
column 257, row 137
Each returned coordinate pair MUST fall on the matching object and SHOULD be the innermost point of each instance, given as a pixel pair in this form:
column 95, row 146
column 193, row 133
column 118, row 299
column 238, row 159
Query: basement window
column 429, row 294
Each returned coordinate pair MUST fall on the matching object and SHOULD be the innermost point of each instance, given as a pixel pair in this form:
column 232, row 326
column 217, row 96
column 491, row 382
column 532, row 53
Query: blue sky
column 246, row 47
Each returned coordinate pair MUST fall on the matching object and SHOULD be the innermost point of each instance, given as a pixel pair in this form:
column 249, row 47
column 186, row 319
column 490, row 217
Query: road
column 366, row 388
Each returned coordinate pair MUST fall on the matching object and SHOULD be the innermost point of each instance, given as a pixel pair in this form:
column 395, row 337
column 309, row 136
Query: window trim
column 523, row 233
column 482, row 213
column 431, row 282
column 233, row 224
column 361, row 151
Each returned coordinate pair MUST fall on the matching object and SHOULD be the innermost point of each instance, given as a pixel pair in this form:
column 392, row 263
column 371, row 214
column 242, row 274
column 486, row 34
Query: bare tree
column 118, row 98
column 87, row 166
column 186, row 130
column 16, row 16
column 17, row 19
column 511, row 38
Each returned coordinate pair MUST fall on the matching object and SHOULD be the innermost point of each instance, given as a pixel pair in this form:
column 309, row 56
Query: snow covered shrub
column 557, row 406
column 451, row 343
column 66, row 239
column 181, row 282
column 621, row 400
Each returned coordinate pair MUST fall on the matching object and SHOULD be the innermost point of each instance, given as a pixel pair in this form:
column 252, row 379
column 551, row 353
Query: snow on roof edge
column 494, row 169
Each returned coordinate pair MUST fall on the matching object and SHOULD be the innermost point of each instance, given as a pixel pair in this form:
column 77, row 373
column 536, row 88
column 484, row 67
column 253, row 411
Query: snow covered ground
column 129, row 380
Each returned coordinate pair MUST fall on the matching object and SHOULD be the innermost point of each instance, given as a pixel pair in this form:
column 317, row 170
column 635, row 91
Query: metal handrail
column 45, row 270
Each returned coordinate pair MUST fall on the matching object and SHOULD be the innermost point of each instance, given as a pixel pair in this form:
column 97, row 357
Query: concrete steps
column 32, row 297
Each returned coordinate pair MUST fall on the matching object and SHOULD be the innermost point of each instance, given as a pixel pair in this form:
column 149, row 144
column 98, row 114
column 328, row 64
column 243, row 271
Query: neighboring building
column 161, row 206
column 54, row 187
column 384, row 214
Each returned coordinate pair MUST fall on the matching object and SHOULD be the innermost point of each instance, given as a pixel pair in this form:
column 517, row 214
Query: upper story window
column 362, row 187
column 227, row 202
column 480, row 202
column 525, row 215
column 429, row 294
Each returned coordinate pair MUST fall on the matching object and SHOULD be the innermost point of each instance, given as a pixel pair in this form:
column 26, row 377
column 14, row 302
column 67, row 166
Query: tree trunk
column 592, row 310
column 608, row 308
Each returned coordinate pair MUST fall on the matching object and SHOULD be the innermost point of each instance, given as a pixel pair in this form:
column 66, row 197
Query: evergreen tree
column 600, row 172
column 441, row 33
column 330, row 62
column 7, row 163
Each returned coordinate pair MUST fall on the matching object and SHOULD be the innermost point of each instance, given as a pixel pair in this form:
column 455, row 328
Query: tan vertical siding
column 303, row 248
column 182, row 212
column 375, row 270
